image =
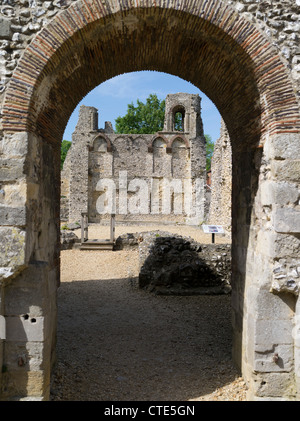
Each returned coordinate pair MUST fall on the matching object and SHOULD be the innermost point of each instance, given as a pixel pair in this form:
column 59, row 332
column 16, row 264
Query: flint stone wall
column 221, row 182
column 173, row 264
column 101, row 156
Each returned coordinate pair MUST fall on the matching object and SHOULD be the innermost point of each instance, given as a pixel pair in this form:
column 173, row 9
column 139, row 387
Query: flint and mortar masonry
column 98, row 154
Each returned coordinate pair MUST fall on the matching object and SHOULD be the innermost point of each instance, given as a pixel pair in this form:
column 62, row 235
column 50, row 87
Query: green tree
column 65, row 146
column 143, row 118
column 209, row 150
column 178, row 124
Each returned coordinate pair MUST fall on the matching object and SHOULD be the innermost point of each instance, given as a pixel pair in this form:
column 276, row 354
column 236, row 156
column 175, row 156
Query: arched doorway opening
column 229, row 60
column 140, row 338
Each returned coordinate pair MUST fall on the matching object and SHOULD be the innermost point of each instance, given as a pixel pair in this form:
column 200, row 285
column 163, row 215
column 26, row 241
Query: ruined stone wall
column 65, row 188
column 153, row 175
column 29, row 279
column 221, row 182
column 172, row 264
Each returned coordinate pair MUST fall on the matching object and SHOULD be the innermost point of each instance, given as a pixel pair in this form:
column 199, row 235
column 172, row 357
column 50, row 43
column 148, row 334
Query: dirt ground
column 116, row 342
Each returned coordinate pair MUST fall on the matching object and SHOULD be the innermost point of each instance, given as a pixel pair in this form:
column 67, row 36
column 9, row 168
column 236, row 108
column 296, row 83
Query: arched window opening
column 179, row 122
column 178, row 119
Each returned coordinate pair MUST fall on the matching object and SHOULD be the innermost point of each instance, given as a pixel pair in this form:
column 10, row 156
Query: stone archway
column 219, row 51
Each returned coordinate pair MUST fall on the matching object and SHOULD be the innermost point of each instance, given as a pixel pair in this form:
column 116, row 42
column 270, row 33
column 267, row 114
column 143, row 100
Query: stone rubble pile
column 172, row 264
column 67, row 239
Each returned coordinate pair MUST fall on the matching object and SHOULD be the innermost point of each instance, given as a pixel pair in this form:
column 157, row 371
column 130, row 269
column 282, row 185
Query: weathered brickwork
column 78, row 14
column 245, row 56
column 21, row 20
column 155, row 176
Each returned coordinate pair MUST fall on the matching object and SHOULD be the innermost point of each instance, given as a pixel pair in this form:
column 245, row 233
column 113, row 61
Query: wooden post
column 112, row 228
column 84, row 227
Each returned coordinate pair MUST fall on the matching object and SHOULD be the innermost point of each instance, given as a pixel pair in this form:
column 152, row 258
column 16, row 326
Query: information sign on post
column 213, row 229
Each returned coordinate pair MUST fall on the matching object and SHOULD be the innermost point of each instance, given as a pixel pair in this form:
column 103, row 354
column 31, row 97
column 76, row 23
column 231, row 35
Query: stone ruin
column 244, row 54
column 171, row 264
column 221, row 182
column 97, row 155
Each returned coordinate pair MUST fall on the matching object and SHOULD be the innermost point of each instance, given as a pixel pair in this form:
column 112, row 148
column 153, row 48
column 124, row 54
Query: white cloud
column 130, row 85
column 136, row 85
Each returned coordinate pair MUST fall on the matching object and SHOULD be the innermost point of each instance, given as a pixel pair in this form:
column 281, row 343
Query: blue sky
column 112, row 97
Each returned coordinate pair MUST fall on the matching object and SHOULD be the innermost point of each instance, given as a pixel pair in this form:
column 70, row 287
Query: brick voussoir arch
column 177, row 136
column 21, row 111
column 155, row 137
column 181, row 137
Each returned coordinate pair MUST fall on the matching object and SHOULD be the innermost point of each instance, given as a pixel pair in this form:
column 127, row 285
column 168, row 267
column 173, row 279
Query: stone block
column 25, row 328
column 287, row 220
column 24, row 356
column 268, row 306
column 33, row 190
column 269, row 332
column 283, row 146
column 27, row 294
column 274, row 385
column 266, row 242
column 26, row 383
column 12, row 246
column 297, row 370
column 286, row 245
column 237, row 300
column 14, row 195
column 237, row 348
column 239, row 258
column 287, row 170
column 11, row 169
column 281, row 193
column 1, row 359
column 5, row 28
column 278, row 358
column 15, row 145
column 258, row 270
column 13, row 216
column 17, row 300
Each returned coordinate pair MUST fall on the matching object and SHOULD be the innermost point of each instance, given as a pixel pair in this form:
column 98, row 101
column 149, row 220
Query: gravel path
column 116, row 342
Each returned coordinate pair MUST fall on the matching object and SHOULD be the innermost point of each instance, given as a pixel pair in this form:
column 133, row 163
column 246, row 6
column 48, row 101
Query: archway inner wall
column 227, row 58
